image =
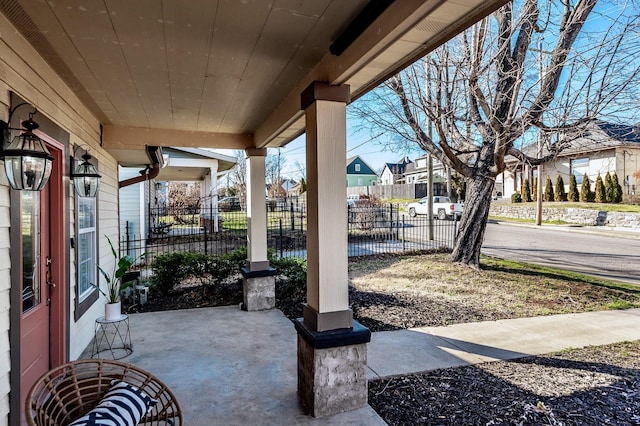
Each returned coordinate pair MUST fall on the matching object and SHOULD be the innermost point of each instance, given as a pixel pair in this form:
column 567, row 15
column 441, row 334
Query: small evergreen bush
column 516, row 198
column 291, row 281
column 586, row 195
column 171, row 269
column 573, row 195
column 608, row 188
column 560, row 195
column 534, row 190
column 548, row 190
column 526, row 191
column 617, row 189
column 600, row 195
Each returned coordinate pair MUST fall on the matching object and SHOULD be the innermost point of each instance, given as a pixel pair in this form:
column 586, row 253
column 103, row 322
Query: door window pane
column 30, row 249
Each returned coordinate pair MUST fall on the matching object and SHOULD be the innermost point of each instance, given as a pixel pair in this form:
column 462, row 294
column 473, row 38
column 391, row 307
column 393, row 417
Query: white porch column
column 258, row 278
column 327, row 289
column 332, row 350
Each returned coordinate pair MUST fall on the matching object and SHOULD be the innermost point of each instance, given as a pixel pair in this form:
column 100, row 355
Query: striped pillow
column 123, row 405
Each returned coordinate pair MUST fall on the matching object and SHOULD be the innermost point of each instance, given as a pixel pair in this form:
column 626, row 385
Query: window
column 360, row 182
column 357, row 166
column 580, row 167
column 86, row 250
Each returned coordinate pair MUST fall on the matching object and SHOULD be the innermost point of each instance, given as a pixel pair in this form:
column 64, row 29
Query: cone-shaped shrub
column 560, row 194
column 526, row 191
column 617, row 189
column 548, row 190
column 585, row 189
column 600, row 196
column 534, row 190
column 573, row 195
column 608, row 188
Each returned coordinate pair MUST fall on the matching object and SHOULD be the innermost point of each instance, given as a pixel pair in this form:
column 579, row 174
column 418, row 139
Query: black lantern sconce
column 85, row 177
column 27, row 161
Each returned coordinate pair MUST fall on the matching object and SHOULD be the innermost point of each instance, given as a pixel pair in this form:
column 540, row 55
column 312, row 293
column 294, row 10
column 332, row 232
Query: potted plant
column 115, row 282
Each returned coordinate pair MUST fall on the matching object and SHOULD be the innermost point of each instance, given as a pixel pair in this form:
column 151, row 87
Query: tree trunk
column 473, row 222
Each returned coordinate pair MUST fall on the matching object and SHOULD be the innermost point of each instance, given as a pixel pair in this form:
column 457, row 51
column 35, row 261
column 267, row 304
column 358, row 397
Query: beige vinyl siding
column 25, row 73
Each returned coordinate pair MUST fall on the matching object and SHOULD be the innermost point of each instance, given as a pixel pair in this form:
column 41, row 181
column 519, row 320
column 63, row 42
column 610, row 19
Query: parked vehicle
column 443, row 208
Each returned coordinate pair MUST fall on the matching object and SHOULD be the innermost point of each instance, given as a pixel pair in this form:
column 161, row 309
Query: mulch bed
column 590, row 386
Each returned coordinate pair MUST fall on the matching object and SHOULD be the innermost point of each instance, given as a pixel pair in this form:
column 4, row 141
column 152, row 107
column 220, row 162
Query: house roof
column 217, row 74
column 193, row 164
column 621, row 132
column 366, row 170
column 396, row 168
column 596, row 136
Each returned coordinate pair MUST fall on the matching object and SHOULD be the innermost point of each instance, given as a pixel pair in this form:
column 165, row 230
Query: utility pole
column 540, row 142
column 429, row 160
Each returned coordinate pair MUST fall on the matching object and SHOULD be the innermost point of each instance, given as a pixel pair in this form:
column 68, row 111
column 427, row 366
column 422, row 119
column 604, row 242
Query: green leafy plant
column 114, row 280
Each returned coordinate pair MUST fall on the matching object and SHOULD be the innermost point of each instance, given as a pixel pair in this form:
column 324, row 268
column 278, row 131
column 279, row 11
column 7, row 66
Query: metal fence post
column 293, row 219
column 404, row 245
column 206, row 248
column 281, row 235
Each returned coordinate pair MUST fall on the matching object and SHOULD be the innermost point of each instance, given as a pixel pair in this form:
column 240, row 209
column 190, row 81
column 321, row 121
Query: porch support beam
column 136, row 138
column 258, row 277
column 332, row 348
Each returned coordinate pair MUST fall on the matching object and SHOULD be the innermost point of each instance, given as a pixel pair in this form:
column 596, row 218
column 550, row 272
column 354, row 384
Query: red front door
column 42, row 315
column 34, row 324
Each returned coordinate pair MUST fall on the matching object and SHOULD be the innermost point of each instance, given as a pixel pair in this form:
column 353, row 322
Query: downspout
column 149, row 172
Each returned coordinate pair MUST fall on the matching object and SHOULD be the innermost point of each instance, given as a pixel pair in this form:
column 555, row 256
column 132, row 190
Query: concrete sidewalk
column 231, row 367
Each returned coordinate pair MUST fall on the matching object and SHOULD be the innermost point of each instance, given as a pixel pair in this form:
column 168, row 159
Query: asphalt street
column 600, row 252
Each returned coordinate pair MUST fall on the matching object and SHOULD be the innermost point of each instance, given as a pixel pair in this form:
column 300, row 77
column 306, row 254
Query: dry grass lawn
column 413, row 291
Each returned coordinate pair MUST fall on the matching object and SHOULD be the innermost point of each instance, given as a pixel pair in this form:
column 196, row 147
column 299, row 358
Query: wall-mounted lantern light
column 27, row 161
column 85, row 177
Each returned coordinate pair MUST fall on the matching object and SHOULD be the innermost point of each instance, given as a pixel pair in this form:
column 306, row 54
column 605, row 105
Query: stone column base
column 332, row 369
column 258, row 289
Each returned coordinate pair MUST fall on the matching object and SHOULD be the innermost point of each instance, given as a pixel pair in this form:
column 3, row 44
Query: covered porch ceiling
column 226, row 73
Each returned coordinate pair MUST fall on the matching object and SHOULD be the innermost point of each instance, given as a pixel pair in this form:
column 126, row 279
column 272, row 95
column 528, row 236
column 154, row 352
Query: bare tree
column 274, row 164
column 523, row 71
column 238, row 176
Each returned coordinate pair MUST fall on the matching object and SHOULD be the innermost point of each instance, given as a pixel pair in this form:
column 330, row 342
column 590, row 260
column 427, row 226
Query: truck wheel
column 412, row 212
column 442, row 215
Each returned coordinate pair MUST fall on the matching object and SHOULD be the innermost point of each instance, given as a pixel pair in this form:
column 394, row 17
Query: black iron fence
column 373, row 228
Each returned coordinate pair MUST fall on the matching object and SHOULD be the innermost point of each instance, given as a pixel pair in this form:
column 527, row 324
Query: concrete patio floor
column 231, row 367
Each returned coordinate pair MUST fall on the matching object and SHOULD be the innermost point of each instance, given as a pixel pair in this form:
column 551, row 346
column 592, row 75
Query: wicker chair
column 71, row 390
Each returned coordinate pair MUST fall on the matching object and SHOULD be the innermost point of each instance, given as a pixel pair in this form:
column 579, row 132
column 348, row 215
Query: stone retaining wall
column 569, row 215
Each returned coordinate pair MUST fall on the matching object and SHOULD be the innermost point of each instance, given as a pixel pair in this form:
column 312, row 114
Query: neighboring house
column 394, row 172
column 295, row 190
column 360, row 173
column 180, row 164
column 418, row 172
column 274, row 190
column 600, row 148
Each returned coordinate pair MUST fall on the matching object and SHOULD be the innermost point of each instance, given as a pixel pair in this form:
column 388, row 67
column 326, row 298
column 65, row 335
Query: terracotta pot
column 112, row 311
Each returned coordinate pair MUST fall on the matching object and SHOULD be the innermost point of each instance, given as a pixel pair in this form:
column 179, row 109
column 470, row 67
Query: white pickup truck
column 443, row 208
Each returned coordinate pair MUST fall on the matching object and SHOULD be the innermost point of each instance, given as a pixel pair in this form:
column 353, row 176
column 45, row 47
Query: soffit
column 232, row 67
